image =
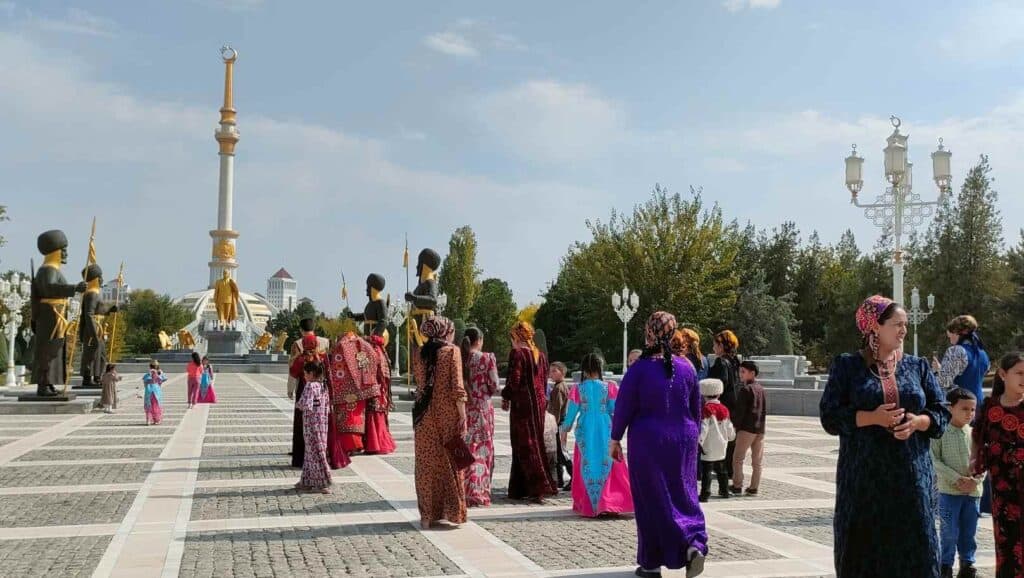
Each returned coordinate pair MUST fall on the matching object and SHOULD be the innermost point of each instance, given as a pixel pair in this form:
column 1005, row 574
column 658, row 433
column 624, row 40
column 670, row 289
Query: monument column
column 223, row 254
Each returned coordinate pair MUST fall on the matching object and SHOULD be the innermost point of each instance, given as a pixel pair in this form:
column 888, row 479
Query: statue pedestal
column 225, row 342
column 60, row 397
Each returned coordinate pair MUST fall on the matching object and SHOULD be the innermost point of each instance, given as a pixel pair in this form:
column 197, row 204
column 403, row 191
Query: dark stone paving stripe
column 74, row 475
column 249, row 469
column 113, row 453
column 226, row 503
column 109, row 441
column 48, row 557
column 372, row 550
column 20, row 511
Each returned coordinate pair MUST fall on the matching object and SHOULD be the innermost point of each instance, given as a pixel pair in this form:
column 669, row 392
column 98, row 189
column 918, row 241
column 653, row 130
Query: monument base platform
column 224, row 342
column 28, row 403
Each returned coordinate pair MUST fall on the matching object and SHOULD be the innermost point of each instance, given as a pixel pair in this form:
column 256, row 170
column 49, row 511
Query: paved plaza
column 209, row 494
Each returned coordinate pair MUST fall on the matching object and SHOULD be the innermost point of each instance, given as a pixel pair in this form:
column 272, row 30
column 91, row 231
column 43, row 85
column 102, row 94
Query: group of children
column 962, row 457
column 726, row 433
column 200, row 387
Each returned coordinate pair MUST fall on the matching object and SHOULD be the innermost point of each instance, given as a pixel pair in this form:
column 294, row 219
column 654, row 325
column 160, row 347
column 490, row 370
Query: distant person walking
column 194, row 373
column 480, row 377
column 659, row 404
column 751, row 413
column 206, row 391
column 727, row 369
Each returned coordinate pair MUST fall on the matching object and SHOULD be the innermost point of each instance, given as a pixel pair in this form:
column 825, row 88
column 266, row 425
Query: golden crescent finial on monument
column 228, row 54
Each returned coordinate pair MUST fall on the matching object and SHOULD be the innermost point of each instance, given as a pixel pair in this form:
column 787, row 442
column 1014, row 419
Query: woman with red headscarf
column 524, row 397
column 886, row 407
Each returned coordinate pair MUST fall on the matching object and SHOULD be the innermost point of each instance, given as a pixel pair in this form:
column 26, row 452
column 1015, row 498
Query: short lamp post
column 14, row 293
column 916, row 315
column 899, row 206
column 625, row 305
column 397, row 312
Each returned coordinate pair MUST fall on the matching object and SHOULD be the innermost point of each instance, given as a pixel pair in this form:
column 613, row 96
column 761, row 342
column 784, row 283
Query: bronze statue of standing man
column 50, row 294
column 90, row 327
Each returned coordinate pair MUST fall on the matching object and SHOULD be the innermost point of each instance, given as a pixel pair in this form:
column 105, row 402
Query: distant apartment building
column 109, row 292
column 283, row 291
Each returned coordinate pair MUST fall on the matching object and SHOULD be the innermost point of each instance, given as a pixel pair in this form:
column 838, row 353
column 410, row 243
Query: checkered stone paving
column 222, row 503
column 244, row 502
column 370, row 551
column 51, row 557
column 26, row 510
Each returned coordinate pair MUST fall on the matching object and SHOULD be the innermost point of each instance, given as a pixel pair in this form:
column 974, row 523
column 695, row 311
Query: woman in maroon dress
column 525, row 400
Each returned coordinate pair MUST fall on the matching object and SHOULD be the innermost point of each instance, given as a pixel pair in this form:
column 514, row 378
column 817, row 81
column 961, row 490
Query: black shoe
column 45, row 391
column 567, row 487
column 946, row 572
column 645, row 574
column 751, row 491
column 695, row 565
column 966, row 571
column 703, row 497
column 736, row 490
column 724, row 495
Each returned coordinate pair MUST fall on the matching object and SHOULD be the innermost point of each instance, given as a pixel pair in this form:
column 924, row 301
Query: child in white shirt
column 716, row 431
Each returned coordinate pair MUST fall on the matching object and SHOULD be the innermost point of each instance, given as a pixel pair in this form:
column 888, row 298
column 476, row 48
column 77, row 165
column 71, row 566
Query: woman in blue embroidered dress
column 885, row 407
column 600, row 484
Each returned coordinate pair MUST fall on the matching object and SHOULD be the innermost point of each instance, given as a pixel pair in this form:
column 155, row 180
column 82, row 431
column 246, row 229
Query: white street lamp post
column 625, row 305
column 916, row 315
column 899, row 206
column 397, row 312
column 15, row 293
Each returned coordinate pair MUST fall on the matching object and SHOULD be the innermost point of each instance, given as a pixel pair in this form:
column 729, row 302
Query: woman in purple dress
column 660, row 404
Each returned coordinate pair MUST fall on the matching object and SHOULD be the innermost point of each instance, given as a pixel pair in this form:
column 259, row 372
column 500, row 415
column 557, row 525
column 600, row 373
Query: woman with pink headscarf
column 885, row 407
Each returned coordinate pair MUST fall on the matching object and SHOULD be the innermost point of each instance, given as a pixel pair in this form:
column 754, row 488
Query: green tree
column 458, row 276
column 677, row 254
column 778, row 257
column 763, row 323
column 3, row 217
column 146, row 315
column 963, row 264
column 494, row 312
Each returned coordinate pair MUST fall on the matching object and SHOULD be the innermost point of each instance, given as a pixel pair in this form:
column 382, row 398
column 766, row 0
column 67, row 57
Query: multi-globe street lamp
column 916, row 315
column 625, row 305
column 396, row 313
column 899, row 206
column 14, row 293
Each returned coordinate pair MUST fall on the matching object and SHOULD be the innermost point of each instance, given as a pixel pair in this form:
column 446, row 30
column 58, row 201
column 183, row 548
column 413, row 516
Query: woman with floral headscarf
column 524, row 397
column 885, row 407
column 438, row 415
column 659, row 402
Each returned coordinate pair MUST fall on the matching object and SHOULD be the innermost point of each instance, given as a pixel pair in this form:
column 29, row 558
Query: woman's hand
column 615, row 450
column 505, row 405
column 886, row 415
column 912, row 423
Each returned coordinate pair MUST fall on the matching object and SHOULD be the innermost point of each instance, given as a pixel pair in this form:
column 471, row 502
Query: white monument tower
column 227, row 137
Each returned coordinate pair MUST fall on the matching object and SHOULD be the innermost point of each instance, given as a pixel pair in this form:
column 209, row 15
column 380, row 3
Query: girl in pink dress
column 314, row 404
column 206, row 392
column 600, row 484
column 481, row 381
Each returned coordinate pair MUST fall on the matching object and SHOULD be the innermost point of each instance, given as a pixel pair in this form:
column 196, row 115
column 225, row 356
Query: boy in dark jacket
column 748, row 417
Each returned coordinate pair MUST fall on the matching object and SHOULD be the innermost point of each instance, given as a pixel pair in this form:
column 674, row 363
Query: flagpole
column 69, row 363
column 115, row 354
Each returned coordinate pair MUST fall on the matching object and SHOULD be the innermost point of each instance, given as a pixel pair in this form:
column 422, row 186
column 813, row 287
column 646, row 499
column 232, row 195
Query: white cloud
column 468, row 38
column 986, row 33
column 737, row 5
column 73, row 21
column 452, row 44
column 551, row 121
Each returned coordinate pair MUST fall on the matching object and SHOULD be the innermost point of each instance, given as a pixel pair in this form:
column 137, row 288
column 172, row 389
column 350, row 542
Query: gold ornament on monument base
column 224, row 250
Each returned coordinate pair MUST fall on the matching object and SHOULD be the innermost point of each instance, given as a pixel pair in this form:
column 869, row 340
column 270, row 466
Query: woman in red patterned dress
column 999, row 449
column 480, row 374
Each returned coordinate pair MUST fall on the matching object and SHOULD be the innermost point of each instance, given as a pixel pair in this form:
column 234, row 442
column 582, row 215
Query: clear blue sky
column 363, row 121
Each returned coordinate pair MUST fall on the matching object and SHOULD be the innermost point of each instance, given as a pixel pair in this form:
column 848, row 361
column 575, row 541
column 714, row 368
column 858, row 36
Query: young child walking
column 206, row 391
column 998, row 449
column 194, row 371
column 959, row 491
column 749, row 421
column 558, row 403
column 314, row 403
column 716, row 431
column 600, row 485
column 152, row 393
column 108, row 399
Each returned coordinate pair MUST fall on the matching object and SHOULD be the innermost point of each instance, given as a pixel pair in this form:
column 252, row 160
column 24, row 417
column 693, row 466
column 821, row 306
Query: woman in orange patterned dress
column 438, row 415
